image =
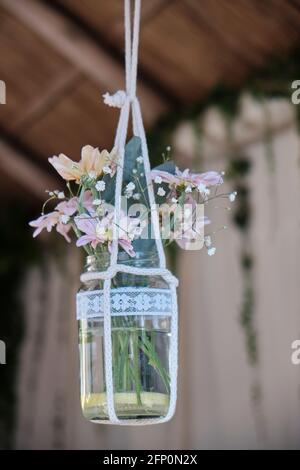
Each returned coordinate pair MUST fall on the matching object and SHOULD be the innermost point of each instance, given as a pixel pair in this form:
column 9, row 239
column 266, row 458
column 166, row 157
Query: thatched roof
column 59, row 56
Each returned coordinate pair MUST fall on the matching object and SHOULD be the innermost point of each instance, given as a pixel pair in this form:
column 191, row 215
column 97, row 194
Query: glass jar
column 141, row 322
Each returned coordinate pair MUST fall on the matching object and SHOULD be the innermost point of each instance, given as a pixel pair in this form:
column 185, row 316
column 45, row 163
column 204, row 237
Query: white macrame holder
column 128, row 101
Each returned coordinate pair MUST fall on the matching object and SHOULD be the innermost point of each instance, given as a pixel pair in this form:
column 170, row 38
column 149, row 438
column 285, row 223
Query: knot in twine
column 117, row 100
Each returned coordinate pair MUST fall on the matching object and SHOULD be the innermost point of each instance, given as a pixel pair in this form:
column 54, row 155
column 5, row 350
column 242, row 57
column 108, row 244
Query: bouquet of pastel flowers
column 86, row 206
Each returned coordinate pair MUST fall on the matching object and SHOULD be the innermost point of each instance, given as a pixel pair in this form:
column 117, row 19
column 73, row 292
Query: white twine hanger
column 127, row 101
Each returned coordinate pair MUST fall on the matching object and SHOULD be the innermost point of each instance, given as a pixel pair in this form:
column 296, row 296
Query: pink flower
column 210, row 178
column 64, row 229
column 165, row 177
column 48, row 221
column 129, row 229
column 101, row 231
column 186, row 178
column 126, row 245
column 70, row 207
column 92, row 228
column 60, row 216
column 88, row 201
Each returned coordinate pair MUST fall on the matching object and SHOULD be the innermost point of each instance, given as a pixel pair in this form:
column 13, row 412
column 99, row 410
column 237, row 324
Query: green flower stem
column 136, row 369
column 126, row 374
column 149, row 350
column 143, row 191
column 115, row 357
column 122, row 380
column 80, row 200
column 128, row 341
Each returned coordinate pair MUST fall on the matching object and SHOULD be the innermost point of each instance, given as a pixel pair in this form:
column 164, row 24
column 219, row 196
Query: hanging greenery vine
column 238, row 172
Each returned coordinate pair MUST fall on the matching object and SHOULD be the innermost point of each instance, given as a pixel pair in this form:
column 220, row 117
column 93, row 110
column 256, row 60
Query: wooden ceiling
column 57, row 57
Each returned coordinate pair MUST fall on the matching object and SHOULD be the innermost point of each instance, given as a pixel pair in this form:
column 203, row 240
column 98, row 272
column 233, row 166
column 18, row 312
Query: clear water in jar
column 140, row 349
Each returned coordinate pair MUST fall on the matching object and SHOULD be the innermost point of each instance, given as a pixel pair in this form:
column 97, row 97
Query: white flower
column 232, row 196
column 92, row 174
column 161, row 192
column 129, row 190
column 130, row 187
column 168, row 148
column 64, row 218
column 97, row 202
column 207, row 241
column 100, row 186
column 157, row 180
column 61, row 195
column 188, row 189
column 107, row 170
column 138, row 231
column 140, row 159
column 136, row 196
column 203, row 189
column 142, row 174
column 134, row 171
column 211, row 251
column 174, row 200
column 55, row 192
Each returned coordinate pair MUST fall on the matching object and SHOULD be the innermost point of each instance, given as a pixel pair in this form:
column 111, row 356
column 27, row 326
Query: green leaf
column 133, row 150
column 110, row 187
column 168, row 166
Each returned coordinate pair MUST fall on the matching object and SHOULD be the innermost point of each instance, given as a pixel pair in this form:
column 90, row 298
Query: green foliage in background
column 272, row 81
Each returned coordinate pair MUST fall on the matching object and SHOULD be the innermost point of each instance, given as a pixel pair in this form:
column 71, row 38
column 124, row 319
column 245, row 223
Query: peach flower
column 91, row 163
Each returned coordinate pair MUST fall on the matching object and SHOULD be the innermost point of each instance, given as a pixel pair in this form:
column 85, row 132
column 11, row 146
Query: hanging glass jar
column 140, row 325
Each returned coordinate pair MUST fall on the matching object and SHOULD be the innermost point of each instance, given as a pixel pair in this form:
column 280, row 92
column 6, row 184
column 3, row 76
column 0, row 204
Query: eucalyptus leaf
column 133, row 150
column 135, row 172
column 168, row 166
column 110, row 187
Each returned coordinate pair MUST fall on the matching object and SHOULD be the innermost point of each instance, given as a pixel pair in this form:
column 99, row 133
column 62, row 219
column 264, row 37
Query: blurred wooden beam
column 149, row 11
column 87, row 55
column 42, row 104
column 19, row 168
